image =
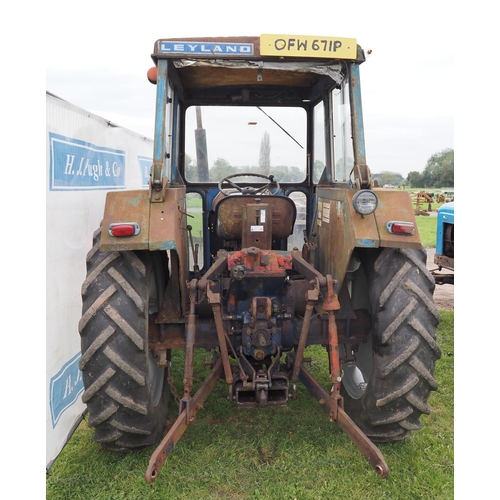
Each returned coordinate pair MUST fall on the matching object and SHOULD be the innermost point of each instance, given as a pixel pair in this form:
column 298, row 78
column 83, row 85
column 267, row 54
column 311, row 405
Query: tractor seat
column 242, row 217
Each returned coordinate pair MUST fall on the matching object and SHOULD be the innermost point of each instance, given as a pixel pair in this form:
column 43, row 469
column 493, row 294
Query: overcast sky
column 97, row 58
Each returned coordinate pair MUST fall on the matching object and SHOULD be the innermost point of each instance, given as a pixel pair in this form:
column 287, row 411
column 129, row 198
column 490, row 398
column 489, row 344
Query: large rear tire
column 386, row 390
column 126, row 393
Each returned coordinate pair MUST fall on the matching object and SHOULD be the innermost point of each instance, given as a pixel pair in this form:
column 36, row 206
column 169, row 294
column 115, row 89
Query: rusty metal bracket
column 362, row 176
column 214, row 299
column 190, row 340
column 312, row 298
column 442, row 279
column 335, row 412
column 168, row 443
column 157, row 189
column 330, row 305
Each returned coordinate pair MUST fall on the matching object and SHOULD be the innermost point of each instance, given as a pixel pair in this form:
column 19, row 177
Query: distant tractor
column 445, row 243
column 289, row 247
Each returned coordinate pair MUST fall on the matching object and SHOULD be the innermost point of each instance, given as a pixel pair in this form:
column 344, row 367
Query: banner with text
column 85, row 158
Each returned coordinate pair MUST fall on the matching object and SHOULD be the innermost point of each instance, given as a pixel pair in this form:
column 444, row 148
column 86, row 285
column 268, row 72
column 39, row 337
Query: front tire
column 387, row 388
column 126, row 393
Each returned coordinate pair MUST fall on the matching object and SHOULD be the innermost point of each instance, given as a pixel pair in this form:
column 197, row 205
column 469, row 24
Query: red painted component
column 256, row 262
column 121, row 230
column 153, row 75
column 400, row 227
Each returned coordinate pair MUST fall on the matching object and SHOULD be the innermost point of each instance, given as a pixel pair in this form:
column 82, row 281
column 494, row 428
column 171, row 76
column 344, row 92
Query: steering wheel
column 272, row 186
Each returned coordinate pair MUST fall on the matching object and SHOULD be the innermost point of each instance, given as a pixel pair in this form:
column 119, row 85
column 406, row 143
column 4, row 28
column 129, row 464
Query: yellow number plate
column 308, row 46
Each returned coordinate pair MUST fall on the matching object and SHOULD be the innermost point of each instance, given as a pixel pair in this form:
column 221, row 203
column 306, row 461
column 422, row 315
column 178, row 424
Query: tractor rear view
column 260, row 234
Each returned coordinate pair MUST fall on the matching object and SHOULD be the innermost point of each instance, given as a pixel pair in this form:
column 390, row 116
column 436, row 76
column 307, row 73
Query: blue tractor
column 445, row 243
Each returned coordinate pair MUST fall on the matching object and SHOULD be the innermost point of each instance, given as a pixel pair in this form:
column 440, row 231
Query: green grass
column 195, row 218
column 270, row 453
column 427, row 226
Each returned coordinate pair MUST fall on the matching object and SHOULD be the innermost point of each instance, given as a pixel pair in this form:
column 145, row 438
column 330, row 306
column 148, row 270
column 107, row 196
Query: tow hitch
column 254, row 388
column 332, row 404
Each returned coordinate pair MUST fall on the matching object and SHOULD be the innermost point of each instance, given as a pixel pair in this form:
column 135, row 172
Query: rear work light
column 400, row 227
column 123, row 229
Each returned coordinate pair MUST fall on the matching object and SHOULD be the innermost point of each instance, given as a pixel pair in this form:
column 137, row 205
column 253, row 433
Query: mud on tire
column 125, row 392
column 399, row 367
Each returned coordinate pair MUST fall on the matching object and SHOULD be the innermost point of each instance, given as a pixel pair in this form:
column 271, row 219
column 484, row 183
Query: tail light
column 400, row 227
column 123, row 229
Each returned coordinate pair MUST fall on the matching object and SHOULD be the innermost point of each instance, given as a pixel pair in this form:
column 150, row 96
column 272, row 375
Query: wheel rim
column 353, row 381
column 156, row 377
column 355, row 373
column 156, row 373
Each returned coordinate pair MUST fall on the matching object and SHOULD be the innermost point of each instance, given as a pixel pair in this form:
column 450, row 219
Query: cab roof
column 278, row 68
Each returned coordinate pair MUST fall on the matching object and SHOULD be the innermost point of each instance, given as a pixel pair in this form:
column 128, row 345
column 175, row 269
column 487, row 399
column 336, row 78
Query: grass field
column 280, row 453
column 427, row 226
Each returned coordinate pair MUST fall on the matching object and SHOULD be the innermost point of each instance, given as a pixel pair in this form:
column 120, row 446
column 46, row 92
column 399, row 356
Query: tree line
column 438, row 172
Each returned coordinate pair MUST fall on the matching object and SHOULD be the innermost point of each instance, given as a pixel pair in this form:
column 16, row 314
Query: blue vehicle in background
column 444, row 256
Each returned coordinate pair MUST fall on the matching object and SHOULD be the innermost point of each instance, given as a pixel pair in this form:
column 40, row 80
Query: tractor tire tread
column 404, row 344
column 114, row 361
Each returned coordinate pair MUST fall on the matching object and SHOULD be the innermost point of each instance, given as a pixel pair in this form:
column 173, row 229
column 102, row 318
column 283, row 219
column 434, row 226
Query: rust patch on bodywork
column 126, row 206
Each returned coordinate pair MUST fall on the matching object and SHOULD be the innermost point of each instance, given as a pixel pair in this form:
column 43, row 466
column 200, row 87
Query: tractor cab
column 258, row 112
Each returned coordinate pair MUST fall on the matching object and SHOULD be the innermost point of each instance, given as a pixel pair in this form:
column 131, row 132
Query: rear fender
column 340, row 229
column 162, row 225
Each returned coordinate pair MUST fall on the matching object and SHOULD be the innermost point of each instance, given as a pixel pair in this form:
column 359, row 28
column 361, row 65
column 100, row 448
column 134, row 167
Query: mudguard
column 162, row 225
column 340, row 229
